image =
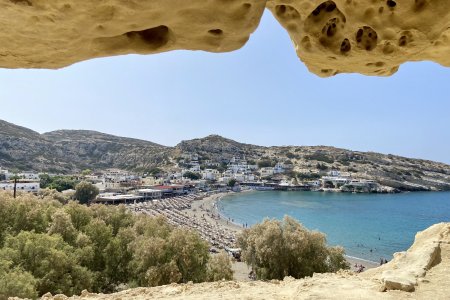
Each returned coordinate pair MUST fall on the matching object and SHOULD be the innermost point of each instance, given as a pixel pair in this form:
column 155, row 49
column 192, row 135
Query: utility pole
column 15, row 186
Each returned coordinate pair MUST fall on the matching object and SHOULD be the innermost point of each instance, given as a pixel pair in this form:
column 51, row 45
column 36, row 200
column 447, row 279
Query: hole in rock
column 154, row 37
column 391, row 3
column 215, row 31
column 22, row 2
column 345, row 46
column 286, row 12
column 367, row 38
column 328, row 6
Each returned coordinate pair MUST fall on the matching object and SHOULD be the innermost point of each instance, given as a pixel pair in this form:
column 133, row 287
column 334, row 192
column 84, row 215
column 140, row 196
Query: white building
column 149, row 194
column 334, row 173
column 4, row 173
column 29, row 175
column 266, row 172
column 278, row 168
column 30, row 187
column 336, row 181
column 210, row 174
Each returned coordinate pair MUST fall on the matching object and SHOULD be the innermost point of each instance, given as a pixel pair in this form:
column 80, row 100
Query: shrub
column 49, row 247
column 85, row 192
column 275, row 249
column 219, row 268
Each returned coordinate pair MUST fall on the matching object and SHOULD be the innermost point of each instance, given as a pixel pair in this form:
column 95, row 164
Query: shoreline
column 209, row 204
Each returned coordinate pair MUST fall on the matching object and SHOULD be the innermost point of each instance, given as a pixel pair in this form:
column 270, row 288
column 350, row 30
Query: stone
column 371, row 37
column 56, row 33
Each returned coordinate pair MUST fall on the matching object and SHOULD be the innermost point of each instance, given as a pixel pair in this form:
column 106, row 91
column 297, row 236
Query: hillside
column 73, row 150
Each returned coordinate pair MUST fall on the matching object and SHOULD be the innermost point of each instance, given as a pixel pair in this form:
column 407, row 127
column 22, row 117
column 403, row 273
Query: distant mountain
column 74, row 150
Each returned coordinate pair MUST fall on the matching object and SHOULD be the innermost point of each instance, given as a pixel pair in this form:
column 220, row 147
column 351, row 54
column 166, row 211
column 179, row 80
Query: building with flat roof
column 149, row 194
column 111, row 198
column 29, row 187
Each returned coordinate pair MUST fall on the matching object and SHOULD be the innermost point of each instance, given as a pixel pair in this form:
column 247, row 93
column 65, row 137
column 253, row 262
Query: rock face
column 408, row 268
column 57, row 33
column 428, row 271
column 371, row 37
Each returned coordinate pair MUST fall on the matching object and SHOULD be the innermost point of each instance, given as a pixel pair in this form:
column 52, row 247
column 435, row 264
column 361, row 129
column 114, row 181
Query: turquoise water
column 383, row 223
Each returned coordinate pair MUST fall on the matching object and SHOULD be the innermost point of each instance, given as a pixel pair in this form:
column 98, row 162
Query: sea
column 368, row 226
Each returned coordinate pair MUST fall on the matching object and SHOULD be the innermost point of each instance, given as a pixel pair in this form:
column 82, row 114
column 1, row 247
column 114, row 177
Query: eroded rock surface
column 371, row 37
column 57, row 33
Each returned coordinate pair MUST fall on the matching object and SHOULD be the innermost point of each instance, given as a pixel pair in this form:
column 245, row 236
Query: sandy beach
column 207, row 207
column 200, row 213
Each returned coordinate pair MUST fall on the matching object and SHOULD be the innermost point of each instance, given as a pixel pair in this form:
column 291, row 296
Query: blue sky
column 261, row 94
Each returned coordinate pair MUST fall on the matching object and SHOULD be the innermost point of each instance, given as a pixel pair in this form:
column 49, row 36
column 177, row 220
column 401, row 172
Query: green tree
column 50, row 260
column 192, row 175
column 232, row 182
column 219, row 268
column 85, row 192
column 62, row 183
column 62, row 225
column 264, row 163
column 16, row 282
column 276, row 249
column 86, row 172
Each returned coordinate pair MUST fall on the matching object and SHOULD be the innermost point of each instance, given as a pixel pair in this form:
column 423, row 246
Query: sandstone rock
column 371, row 37
column 405, row 270
column 57, row 33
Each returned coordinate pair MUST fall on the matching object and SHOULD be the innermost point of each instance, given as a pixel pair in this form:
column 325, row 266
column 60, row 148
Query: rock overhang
column 371, row 37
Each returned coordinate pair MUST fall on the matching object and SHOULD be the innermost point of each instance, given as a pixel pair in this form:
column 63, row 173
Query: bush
column 219, row 268
column 264, row 163
column 320, row 157
column 85, row 192
column 16, row 283
column 192, row 175
column 275, row 249
column 49, row 247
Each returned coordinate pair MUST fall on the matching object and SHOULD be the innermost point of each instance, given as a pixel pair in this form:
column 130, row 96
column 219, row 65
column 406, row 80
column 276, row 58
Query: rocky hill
column 73, row 150
column 215, row 147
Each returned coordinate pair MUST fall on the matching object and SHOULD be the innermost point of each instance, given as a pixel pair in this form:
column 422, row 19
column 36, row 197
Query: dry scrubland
column 50, row 244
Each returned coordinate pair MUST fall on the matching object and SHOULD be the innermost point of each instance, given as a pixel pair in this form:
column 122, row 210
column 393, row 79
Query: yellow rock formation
column 371, row 37
column 57, row 33
column 422, row 272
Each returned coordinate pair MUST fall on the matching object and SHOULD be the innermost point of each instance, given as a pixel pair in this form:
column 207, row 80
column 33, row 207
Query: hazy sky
column 261, row 94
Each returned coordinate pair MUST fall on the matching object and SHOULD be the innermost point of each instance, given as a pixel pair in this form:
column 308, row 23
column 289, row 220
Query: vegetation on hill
column 46, row 246
column 69, row 151
column 275, row 249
